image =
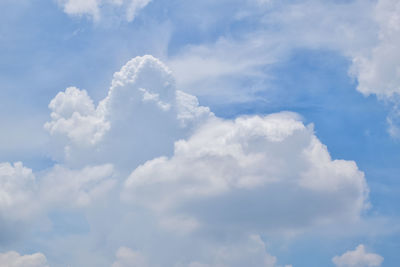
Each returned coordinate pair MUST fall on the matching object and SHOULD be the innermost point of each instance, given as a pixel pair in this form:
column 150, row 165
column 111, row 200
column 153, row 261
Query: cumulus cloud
column 62, row 187
column 143, row 111
column 273, row 168
column 13, row 259
column 17, row 189
column 180, row 171
column 377, row 69
column 94, row 8
column 358, row 258
column 73, row 114
column 27, row 200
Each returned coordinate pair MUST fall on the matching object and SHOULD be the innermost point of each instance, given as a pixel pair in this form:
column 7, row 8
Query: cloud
column 377, row 70
column 251, row 251
column 27, row 200
column 377, row 67
column 62, row 187
column 149, row 162
column 358, row 258
column 94, row 8
column 13, row 259
column 18, row 206
column 272, row 167
column 143, row 111
column 73, row 114
column 126, row 257
column 235, row 66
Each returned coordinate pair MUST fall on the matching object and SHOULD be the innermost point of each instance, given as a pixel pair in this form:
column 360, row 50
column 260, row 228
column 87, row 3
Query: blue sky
column 204, row 133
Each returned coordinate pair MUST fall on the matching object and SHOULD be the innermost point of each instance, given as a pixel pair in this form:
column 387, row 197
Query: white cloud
column 17, row 190
column 27, row 201
column 274, row 166
column 73, row 114
column 134, row 7
column 82, row 7
column 93, row 8
column 126, row 257
column 358, row 258
column 62, row 187
column 143, row 111
column 191, row 173
column 13, row 259
column 235, row 67
column 378, row 68
column 250, row 252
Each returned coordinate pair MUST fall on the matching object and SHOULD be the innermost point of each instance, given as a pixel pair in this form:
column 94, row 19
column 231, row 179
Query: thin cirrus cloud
column 95, row 8
column 151, row 160
column 364, row 32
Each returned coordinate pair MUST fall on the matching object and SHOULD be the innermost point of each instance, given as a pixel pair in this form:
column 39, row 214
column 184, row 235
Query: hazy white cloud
column 126, row 257
column 93, row 8
column 62, row 187
column 378, row 68
column 17, row 190
column 358, row 258
column 27, row 201
column 250, row 252
column 235, row 67
column 274, row 166
column 13, row 259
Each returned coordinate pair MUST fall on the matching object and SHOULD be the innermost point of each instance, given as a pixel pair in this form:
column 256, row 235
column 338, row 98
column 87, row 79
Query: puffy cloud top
column 272, row 167
column 358, row 258
column 143, row 111
column 156, row 160
column 17, row 188
column 13, row 259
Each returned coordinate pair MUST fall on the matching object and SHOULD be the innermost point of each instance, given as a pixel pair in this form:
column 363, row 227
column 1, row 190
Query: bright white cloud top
column 163, row 165
column 358, row 258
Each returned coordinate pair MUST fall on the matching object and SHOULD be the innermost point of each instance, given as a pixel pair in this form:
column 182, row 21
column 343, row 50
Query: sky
column 172, row 133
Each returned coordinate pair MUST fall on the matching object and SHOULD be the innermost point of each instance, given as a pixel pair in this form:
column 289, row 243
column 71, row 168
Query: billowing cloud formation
column 142, row 112
column 94, row 8
column 17, row 188
column 358, row 258
column 13, row 259
column 75, row 116
column 181, row 173
column 273, row 168
column 26, row 199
